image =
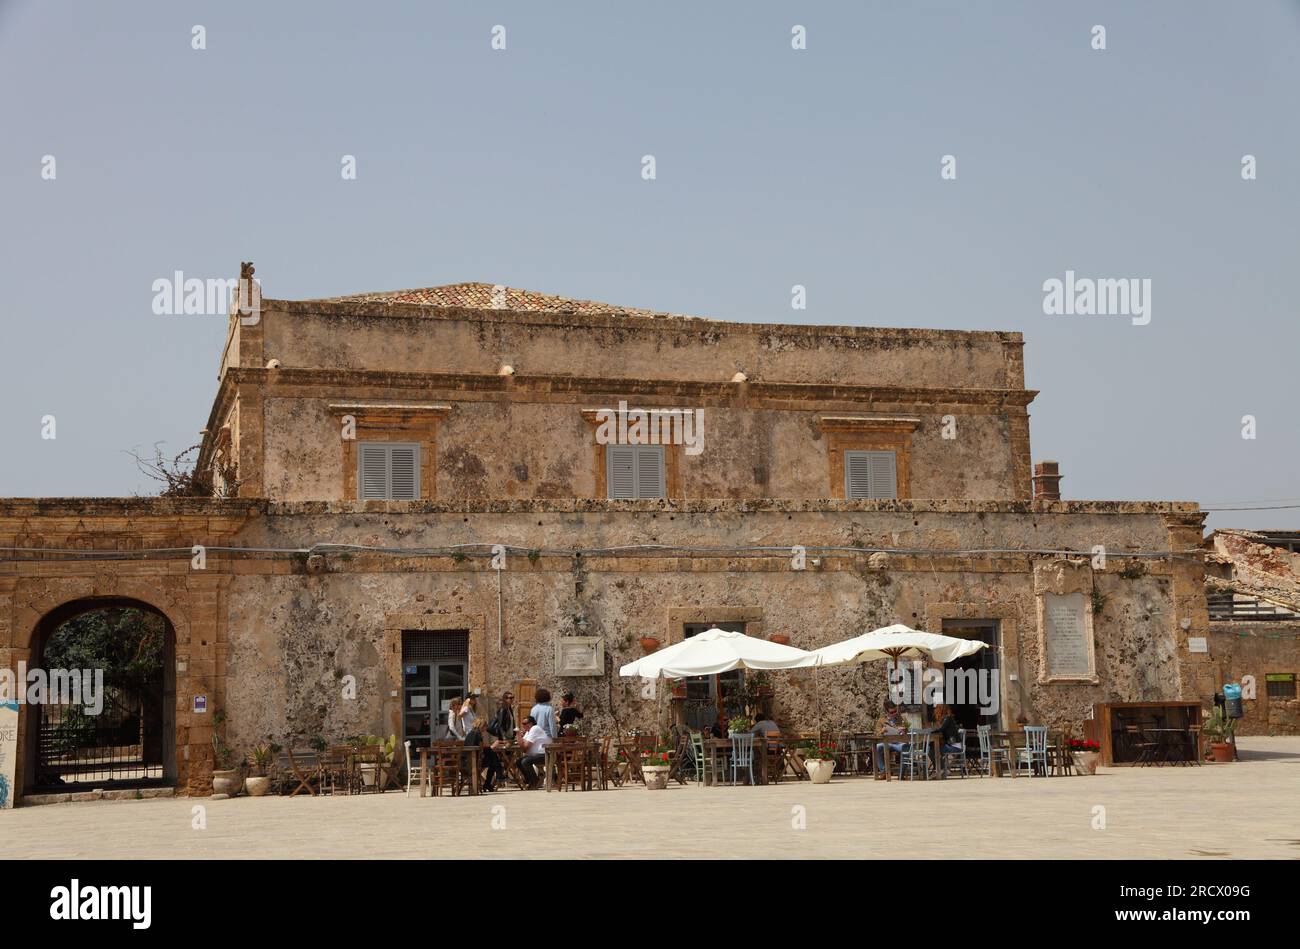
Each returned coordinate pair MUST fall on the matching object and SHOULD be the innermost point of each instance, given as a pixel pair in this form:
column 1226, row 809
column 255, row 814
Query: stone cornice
column 658, row 322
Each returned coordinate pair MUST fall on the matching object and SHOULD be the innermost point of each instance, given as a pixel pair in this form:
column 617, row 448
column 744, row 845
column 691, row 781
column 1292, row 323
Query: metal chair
column 1034, row 752
column 742, row 755
column 988, row 753
column 916, row 753
column 958, row 756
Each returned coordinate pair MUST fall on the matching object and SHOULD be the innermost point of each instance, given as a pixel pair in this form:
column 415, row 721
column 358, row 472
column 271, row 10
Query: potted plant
column 649, row 644
column 570, row 732
column 655, row 763
column 1218, row 729
column 225, row 779
column 819, row 759
column 373, row 772
column 1085, row 753
column 740, row 725
column 259, row 761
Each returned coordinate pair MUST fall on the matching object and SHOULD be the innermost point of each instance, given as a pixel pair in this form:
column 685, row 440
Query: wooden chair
column 445, row 766
column 775, row 752
column 1141, row 746
column 336, row 770
column 304, row 766
column 572, row 765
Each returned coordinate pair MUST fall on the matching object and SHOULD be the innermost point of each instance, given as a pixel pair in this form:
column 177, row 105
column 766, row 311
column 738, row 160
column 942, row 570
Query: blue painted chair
column 742, row 755
column 915, row 755
column 989, row 754
column 959, row 756
column 1034, row 752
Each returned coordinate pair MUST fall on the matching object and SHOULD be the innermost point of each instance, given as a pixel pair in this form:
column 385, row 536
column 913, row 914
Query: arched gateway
column 107, row 715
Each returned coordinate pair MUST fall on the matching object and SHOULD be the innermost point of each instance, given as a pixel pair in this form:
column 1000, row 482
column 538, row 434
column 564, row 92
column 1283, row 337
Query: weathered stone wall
column 1256, row 649
column 311, row 334
column 493, row 448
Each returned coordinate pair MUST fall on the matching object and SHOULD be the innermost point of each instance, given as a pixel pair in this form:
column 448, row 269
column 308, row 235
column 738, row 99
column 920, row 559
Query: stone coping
column 693, row 324
column 252, row 507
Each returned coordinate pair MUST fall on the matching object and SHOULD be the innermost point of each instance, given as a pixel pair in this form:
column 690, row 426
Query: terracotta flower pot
column 1221, row 751
column 780, row 639
column 1085, row 762
column 649, row 644
column 226, row 782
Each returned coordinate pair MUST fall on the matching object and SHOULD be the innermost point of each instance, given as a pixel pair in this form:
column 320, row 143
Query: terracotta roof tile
column 486, row 296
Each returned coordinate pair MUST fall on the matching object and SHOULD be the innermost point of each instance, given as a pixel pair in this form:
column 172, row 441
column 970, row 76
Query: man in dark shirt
column 491, row 760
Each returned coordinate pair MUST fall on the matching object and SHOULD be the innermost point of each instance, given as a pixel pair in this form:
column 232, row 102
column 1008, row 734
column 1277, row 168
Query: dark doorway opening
column 127, row 737
column 435, row 670
column 713, row 700
column 986, row 663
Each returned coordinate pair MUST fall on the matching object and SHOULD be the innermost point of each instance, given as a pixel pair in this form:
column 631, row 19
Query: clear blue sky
column 775, row 167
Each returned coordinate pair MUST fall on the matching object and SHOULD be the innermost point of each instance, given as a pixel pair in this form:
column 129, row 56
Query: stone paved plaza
column 1246, row 809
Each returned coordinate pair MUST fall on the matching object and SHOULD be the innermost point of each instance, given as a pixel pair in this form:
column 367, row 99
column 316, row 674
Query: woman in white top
column 468, row 714
column 454, row 727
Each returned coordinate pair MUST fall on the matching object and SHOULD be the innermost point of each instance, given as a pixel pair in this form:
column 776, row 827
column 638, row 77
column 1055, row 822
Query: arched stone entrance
column 127, row 738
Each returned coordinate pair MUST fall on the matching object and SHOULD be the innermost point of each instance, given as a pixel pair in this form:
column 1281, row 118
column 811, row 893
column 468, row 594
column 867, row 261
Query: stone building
column 1252, row 587
column 416, row 497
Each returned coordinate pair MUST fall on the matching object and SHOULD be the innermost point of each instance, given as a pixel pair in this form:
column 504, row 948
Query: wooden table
column 934, row 738
column 1055, row 739
column 475, row 766
column 591, row 756
column 720, row 749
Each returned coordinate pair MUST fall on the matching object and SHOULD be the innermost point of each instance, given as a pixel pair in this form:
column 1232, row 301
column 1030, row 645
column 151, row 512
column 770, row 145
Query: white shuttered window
column 635, row 471
column 388, row 471
column 870, row 474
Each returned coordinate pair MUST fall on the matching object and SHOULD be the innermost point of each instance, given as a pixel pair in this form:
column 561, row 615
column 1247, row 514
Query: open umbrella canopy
column 890, row 642
column 717, row 650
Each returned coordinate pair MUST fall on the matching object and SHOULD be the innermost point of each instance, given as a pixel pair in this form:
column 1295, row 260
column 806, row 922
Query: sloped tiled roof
column 486, row 296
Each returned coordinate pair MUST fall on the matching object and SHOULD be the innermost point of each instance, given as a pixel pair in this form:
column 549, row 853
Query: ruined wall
column 1256, row 649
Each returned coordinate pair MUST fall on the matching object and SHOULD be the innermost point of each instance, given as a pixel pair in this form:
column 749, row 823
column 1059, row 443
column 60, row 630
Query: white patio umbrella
column 717, row 650
column 891, row 642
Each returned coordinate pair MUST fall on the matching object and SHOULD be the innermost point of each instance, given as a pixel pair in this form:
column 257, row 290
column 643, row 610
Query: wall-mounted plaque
column 1066, row 636
column 1198, row 644
column 580, row 656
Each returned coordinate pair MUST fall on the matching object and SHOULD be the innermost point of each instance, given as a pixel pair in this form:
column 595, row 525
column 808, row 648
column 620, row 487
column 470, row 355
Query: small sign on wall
column 580, row 656
column 200, row 703
column 1198, row 644
column 8, row 752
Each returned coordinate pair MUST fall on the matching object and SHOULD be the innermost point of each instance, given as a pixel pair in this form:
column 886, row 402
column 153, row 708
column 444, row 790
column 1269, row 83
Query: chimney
column 1047, row 481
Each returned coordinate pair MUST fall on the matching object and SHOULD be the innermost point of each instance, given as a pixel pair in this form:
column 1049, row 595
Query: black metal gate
column 121, row 747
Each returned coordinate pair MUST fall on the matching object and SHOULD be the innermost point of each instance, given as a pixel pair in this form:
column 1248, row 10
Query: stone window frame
column 1008, row 618
column 391, row 658
column 1076, row 577
column 391, row 422
column 869, row 433
column 600, row 470
column 678, row 616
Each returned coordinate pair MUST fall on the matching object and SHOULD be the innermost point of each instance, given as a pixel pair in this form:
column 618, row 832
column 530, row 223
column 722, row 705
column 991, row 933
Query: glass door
column 428, row 689
column 713, row 700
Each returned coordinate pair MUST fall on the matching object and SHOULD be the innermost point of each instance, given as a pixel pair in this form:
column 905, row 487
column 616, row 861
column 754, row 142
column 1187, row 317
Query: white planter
column 1085, row 762
column 656, row 776
column 820, row 769
column 368, row 773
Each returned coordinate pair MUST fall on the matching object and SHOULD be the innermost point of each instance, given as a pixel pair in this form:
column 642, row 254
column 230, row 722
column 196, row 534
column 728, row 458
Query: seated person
column 477, row 737
column 766, row 727
column 534, row 741
column 891, row 723
column 950, row 729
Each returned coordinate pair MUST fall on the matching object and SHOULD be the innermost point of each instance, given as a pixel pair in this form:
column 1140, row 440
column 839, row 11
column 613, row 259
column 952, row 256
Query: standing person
column 534, row 742
column 468, row 714
column 543, row 714
column 503, row 722
column 569, row 711
column 477, row 737
column 454, row 727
